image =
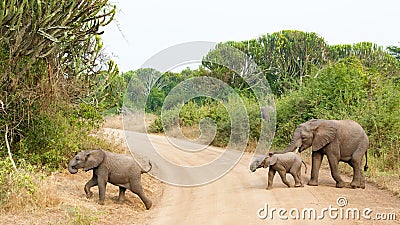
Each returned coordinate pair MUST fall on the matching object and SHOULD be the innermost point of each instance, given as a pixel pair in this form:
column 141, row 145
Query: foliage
column 150, row 85
column 285, row 58
column 192, row 114
column 16, row 185
column 370, row 55
column 57, row 135
column 54, row 78
column 394, row 51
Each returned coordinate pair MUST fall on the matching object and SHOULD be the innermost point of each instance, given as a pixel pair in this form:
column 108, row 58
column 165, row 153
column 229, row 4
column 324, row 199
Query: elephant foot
column 354, row 186
column 120, row 200
column 89, row 194
column 268, row 188
column 101, row 202
column 148, row 204
column 340, row 184
column 312, row 183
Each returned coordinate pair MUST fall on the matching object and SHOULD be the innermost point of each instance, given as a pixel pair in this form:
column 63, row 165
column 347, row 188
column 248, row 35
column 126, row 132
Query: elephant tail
column 146, row 171
column 366, row 161
column 304, row 165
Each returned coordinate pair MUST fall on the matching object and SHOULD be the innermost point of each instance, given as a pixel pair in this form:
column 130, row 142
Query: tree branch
column 9, row 150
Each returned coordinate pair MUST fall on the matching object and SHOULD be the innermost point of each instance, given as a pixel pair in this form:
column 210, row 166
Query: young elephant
column 284, row 163
column 120, row 170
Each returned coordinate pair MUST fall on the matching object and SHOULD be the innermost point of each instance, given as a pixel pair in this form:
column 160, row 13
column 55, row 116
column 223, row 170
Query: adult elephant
column 339, row 140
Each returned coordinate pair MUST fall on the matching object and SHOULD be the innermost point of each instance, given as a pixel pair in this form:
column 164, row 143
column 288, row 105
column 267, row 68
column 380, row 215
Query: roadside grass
column 25, row 189
column 33, row 195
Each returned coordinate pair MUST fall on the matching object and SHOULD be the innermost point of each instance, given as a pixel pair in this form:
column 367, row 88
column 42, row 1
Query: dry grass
column 63, row 201
column 129, row 122
column 29, row 192
column 60, row 199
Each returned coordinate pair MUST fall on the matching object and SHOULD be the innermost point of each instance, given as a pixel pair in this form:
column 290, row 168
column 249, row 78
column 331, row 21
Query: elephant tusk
column 297, row 150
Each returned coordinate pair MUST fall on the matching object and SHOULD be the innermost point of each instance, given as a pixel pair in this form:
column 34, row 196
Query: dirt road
column 240, row 197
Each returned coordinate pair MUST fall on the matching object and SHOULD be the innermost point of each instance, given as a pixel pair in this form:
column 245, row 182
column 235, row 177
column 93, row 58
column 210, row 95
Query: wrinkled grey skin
column 339, row 140
column 120, row 170
column 282, row 163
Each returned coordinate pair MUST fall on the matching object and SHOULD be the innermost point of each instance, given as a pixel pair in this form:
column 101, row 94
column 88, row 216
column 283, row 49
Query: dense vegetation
column 54, row 83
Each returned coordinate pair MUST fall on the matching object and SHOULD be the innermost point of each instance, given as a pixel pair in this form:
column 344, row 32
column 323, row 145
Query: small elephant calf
column 120, row 170
column 284, row 163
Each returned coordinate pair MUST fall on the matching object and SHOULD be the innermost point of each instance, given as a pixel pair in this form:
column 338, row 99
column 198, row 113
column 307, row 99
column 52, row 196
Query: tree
column 394, row 51
column 149, row 78
column 285, row 58
column 50, row 56
column 371, row 55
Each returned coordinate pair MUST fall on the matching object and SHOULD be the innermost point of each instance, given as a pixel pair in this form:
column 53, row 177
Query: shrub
column 191, row 114
column 16, row 187
column 54, row 137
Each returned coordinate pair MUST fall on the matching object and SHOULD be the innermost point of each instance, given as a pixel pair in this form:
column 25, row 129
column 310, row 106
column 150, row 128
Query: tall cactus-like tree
column 285, row 57
column 50, row 50
column 370, row 54
column 394, row 51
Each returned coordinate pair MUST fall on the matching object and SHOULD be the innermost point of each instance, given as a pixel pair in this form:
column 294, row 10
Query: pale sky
column 147, row 27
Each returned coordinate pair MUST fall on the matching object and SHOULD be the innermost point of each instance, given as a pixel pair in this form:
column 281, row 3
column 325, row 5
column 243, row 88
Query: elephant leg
column 299, row 177
column 121, row 196
column 358, row 178
column 282, row 174
column 333, row 164
column 102, row 183
column 271, row 174
column 316, row 164
column 91, row 183
column 136, row 187
column 362, row 180
column 296, row 173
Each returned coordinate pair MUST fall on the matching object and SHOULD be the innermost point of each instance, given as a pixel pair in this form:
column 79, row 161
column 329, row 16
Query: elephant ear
column 271, row 160
column 261, row 162
column 325, row 133
column 93, row 159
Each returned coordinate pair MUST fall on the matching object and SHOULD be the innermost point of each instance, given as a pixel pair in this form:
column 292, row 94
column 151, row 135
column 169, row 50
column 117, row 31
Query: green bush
column 16, row 185
column 191, row 114
column 54, row 137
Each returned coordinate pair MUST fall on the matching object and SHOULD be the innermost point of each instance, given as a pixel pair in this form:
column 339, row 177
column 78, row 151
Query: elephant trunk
column 291, row 148
column 296, row 142
column 71, row 167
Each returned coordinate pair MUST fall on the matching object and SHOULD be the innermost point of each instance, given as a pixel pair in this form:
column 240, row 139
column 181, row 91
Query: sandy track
column 237, row 197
